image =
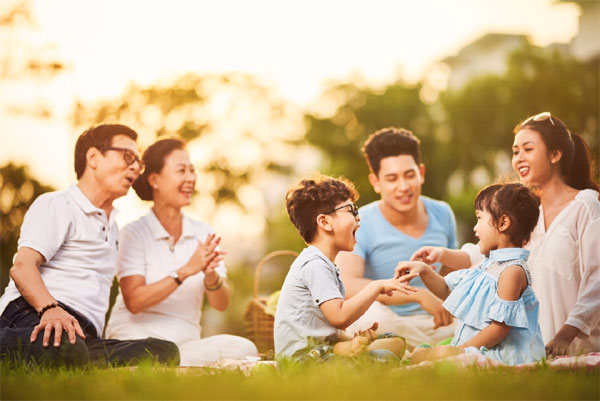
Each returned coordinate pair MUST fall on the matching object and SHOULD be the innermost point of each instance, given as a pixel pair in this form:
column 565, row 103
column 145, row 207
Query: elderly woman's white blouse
column 146, row 249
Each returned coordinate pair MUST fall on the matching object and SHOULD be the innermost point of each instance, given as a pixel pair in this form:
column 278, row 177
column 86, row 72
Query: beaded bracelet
column 45, row 308
column 214, row 286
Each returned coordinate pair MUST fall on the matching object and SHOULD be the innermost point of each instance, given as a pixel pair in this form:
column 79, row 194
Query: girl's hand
column 428, row 254
column 410, row 270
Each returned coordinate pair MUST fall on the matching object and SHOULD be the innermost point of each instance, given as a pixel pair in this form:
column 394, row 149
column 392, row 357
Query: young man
column 53, row 309
column 311, row 308
column 393, row 228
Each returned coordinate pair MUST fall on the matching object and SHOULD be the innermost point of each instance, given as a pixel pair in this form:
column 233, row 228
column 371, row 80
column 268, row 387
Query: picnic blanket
column 591, row 360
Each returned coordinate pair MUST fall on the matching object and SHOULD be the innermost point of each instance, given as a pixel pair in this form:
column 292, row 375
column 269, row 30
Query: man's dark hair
column 390, row 142
column 517, row 202
column 97, row 137
column 312, row 197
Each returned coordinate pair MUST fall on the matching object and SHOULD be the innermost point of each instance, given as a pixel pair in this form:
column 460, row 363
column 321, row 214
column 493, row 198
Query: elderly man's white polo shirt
column 146, row 249
column 79, row 245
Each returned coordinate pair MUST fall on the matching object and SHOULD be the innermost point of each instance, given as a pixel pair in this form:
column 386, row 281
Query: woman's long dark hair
column 576, row 164
column 154, row 160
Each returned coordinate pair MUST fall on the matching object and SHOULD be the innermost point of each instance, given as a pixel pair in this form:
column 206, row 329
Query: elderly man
column 53, row 309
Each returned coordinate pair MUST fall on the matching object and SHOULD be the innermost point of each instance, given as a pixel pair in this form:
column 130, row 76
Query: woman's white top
column 146, row 249
column 565, row 270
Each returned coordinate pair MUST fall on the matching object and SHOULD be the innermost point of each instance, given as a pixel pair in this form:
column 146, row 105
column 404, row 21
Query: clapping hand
column 206, row 257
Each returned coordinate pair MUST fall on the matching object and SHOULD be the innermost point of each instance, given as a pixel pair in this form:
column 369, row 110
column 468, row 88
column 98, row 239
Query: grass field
column 337, row 380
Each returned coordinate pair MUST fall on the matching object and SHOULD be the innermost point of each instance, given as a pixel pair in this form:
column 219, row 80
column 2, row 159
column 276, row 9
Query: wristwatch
column 175, row 277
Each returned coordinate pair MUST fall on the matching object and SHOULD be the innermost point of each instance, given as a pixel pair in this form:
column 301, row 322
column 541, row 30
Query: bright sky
column 296, row 47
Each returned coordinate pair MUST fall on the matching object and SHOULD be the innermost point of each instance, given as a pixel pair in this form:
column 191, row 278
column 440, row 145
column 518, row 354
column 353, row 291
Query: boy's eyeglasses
column 539, row 117
column 353, row 209
column 128, row 156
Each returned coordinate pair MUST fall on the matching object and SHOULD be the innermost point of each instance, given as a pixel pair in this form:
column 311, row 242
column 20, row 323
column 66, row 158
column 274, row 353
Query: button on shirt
column 312, row 280
column 146, row 249
column 79, row 245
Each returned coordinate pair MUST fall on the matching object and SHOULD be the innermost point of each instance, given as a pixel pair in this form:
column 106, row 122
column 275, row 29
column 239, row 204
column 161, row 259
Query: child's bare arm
column 455, row 259
column 511, row 284
column 434, row 282
column 342, row 313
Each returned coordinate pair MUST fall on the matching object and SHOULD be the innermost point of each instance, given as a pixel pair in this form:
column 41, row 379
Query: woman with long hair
column 565, row 245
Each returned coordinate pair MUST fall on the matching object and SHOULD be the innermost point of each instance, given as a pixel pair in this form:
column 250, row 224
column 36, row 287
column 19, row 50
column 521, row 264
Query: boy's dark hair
column 517, row 202
column 154, row 161
column 390, row 142
column 312, row 197
column 97, row 137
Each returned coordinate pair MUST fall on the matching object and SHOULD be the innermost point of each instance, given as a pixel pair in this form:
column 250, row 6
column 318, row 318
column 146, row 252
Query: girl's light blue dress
column 475, row 302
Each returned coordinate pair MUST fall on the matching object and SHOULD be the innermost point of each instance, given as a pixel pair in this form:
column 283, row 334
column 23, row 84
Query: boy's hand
column 396, row 284
column 428, row 254
column 406, row 271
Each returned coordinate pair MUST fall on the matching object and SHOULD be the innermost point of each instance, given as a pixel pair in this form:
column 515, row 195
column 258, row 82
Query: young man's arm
column 352, row 269
column 26, row 275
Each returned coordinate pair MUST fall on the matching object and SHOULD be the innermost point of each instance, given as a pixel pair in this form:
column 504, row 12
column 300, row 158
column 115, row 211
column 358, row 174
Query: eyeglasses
column 353, row 209
column 539, row 117
column 128, row 156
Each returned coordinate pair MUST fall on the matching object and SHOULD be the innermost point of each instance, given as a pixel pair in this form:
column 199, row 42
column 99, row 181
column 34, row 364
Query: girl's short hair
column 314, row 196
column 517, row 202
column 154, row 161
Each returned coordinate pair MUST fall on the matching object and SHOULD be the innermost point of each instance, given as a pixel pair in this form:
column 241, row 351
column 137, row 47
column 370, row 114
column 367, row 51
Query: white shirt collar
column 159, row 232
column 85, row 204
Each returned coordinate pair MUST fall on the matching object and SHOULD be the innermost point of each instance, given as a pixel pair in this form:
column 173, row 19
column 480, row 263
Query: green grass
column 336, row 380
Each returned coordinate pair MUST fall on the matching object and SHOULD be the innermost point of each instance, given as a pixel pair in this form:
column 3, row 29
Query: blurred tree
column 24, row 62
column 478, row 119
column 18, row 190
column 238, row 132
column 466, row 135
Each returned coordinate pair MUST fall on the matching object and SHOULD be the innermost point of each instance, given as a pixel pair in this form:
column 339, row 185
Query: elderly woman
column 168, row 263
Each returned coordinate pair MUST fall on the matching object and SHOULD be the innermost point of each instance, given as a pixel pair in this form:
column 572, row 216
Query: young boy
column 311, row 306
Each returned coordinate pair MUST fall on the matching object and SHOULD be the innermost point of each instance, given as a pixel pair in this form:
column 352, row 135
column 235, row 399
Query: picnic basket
column 259, row 324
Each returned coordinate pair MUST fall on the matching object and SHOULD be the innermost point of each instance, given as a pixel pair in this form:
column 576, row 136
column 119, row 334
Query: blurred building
column 586, row 45
column 488, row 54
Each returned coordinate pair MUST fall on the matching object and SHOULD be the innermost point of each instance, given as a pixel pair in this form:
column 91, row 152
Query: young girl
column 493, row 301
